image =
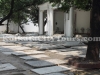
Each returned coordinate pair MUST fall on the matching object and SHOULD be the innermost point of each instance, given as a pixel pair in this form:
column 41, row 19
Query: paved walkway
column 16, row 59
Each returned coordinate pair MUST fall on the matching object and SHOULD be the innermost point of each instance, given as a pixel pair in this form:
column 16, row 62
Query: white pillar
column 65, row 23
column 69, row 23
column 50, row 14
column 41, row 29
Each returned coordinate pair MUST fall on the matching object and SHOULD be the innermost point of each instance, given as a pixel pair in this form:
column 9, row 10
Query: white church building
column 59, row 22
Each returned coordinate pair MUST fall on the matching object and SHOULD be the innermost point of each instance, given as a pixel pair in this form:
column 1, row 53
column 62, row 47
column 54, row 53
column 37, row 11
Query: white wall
column 2, row 28
column 13, row 27
column 82, row 20
column 30, row 27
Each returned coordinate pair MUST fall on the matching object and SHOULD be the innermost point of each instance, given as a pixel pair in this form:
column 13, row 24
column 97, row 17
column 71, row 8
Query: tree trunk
column 7, row 26
column 22, row 29
column 9, row 14
column 94, row 46
column 18, row 28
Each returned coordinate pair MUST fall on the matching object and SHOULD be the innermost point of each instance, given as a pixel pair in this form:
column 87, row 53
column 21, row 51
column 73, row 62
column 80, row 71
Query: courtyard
column 41, row 58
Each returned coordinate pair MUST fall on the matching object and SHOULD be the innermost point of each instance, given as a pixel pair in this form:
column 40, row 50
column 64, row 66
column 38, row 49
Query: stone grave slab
column 9, row 53
column 34, row 57
column 80, row 47
column 51, row 47
column 66, row 50
column 47, row 46
column 11, row 47
column 39, row 63
column 73, row 43
column 56, row 74
column 6, row 67
column 56, row 61
column 28, row 53
column 48, row 70
column 18, row 74
column 28, row 45
column 5, row 50
column 45, row 63
column 6, row 44
column 23, row 48
column 22, row 42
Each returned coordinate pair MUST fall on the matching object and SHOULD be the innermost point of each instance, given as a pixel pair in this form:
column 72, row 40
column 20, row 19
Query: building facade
column 59, row 22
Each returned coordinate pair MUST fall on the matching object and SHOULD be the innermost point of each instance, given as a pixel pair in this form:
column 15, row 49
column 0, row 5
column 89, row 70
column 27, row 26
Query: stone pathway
column 47, row 59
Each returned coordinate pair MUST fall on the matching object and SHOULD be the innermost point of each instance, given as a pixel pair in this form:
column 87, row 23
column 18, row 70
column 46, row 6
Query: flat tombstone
column 6, row 67
column 39, row 63
column 11, row 46
column 56, row 74
column 34, row 57
column 18, row 74
column 80, row 47
column 45, row 63
column 9, row 53
column 48, row 70
column 23, row 48
column 28, row 53
column 5, row 50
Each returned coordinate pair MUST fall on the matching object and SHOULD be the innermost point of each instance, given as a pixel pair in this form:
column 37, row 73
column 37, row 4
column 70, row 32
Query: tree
column 94, row 6
column 28, row 10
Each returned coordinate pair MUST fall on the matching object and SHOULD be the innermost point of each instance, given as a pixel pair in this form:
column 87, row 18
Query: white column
column 69, row 23
column 65, row 23
column 50, row 14
column 41, row 29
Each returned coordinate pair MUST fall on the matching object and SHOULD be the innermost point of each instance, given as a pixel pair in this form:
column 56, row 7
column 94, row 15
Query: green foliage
column 66, row 4
column 23, row 10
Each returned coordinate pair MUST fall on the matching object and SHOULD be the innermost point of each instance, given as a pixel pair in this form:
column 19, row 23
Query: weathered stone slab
column 28, row 53
column 6, row 44
column 28, row 45
column 22, row 42
column 39, row 63
column 73, row 43
column 45, row 63
column 47, row 46
column 18, row 74
column 6, row 67
column 5, row 50
column 9, row 53
column 34, row 57
column 11, row 47
column 66, row 50
column 23, row 48
column 56, row 74
column 48, row 70
column 80, row 47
